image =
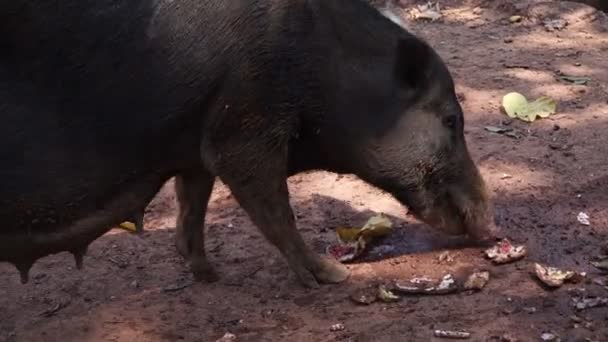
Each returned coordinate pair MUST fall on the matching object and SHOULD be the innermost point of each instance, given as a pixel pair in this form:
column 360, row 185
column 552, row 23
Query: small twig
column 177, row 287
column 253, row 272
column 53, row 310
column 516, row 66
column 239, row 281
column 452, row 334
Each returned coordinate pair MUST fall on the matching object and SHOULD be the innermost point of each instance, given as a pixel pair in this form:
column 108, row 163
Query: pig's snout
column 484, row 233
column 477, row 213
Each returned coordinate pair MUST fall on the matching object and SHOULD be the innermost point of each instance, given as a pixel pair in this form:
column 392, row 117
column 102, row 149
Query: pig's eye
column 450, row 121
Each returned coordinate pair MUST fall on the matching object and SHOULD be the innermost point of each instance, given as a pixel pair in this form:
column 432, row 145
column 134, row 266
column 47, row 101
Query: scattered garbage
column 517, row 106
column 504, row 252
column 477, row 281
column 429, row 11
column 583, row 218
column 452, row 334
column 554, row 277
column 353, row 241
column 337, row 327
column 555, row 24
column 424, row 285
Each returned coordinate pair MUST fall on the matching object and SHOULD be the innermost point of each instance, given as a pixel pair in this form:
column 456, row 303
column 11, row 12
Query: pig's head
column 399, row 126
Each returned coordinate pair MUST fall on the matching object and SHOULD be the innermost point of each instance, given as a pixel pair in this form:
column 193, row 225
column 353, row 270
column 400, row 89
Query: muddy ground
column 138, row 289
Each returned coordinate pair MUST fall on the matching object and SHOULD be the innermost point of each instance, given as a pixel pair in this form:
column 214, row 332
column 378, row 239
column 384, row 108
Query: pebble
column 228, row 337
column 548, row 337
column 337, row 327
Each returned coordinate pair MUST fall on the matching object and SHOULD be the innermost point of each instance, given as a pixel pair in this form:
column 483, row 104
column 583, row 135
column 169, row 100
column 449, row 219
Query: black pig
column 103, row 101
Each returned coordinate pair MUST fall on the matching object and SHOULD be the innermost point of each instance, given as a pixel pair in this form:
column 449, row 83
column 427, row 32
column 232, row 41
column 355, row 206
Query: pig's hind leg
column 193, row 189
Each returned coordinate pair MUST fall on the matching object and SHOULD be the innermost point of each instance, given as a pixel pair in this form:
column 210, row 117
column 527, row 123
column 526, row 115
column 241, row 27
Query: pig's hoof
column 203, row 271
column 331, row 272
column 182, row 246
column 322, row 271
column 306, row 277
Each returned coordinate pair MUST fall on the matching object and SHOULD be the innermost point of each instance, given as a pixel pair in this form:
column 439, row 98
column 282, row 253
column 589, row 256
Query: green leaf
column 348, row 234
column 376, row 226
column 517, row 106
column 130, row 226
column 514, row 103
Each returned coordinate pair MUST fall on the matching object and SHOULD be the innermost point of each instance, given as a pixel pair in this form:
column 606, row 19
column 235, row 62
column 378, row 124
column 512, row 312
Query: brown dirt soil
column 138, row 288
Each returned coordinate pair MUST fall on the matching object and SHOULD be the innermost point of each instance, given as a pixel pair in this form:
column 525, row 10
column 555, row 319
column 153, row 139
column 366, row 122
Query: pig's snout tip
column 486, row 236
column 483, row 230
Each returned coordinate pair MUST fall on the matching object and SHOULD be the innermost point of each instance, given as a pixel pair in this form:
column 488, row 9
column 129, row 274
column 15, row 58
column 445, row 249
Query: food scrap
column 515, row 19
column 370, row 295
column 429, row 11
column 364, row 296
column 344, row 252
column 353, row 241
column 477, row 281
column 554, row 277
column 426, row 285
column 386, row 295
column 504, row 252
column 583, row 218
column 130, row 226
column 446, row 257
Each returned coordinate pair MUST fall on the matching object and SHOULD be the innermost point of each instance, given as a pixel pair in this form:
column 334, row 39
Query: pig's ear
column 413, row 62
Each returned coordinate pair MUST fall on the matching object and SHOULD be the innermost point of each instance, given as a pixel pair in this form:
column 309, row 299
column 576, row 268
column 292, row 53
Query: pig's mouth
column 457, row 216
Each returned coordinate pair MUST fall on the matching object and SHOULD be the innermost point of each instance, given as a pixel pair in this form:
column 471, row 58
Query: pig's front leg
column 258, row 180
